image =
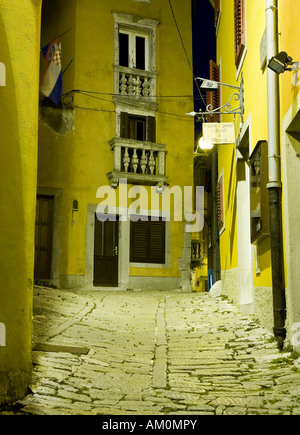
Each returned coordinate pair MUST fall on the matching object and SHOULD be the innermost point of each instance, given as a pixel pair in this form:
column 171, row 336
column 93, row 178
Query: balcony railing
column 135, row 85
column 138, row 162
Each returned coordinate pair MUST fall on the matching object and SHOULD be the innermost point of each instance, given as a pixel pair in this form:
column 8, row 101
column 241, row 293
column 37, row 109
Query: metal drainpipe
column 274, row 185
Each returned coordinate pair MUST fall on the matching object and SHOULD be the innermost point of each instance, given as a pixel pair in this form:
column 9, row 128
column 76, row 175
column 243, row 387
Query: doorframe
column 245, row 249
column 56, row 194
column 290, row 135
column 124, row 246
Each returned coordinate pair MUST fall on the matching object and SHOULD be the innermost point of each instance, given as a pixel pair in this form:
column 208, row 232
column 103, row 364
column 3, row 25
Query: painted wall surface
column 289, row 14
column 254, row 125
column 20, row 42
column 289, row 35
column 255, row 121
column 81, row 158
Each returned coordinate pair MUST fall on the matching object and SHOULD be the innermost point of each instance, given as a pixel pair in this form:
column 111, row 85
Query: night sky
column 204, row 44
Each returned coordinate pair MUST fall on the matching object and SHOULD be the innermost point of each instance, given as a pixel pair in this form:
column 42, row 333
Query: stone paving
column 155, row 353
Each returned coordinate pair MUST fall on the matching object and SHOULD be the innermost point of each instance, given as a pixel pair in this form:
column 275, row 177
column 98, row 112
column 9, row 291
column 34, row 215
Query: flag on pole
column 51, row 75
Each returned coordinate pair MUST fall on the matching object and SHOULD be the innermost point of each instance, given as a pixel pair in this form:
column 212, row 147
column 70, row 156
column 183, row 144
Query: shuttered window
column 213, row 98
column 239, row 29
column 217, row 11
column 220, row 202
column 147, row 242
column 136, row 127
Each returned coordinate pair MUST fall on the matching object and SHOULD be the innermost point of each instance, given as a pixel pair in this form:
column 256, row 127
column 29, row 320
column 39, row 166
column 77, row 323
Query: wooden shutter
column 124, row 127
column 239, row 29
column 138, row 242
column 157, row 242
column 217, row 11
column 147, row 242
column 151, row 129
column 213, row 98
column 220, row 202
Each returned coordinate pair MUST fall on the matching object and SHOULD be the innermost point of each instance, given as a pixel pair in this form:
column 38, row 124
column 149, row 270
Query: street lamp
column 205, row 145
column 280, row 63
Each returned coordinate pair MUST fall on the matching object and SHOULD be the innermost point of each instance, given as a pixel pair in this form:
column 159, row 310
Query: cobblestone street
column 161, row 353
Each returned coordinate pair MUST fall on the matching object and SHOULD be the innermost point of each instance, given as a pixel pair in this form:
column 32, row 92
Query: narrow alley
column 154, row 353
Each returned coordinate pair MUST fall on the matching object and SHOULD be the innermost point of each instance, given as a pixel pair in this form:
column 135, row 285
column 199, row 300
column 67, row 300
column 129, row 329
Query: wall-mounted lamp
column 75, row 205
column 74, row 210
column 205, row 145
column 280, row 63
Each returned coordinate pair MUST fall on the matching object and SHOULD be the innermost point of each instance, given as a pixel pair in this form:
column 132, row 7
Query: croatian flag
column 51, row 76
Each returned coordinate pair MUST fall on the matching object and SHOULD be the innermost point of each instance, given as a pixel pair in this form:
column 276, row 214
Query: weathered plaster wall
column 19, row 36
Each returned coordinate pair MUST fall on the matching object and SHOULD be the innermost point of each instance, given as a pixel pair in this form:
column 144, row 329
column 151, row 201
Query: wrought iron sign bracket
column 225, row 109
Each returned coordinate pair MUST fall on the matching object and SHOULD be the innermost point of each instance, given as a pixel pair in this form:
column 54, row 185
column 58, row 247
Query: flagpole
column 60, row 36
column 67, row 66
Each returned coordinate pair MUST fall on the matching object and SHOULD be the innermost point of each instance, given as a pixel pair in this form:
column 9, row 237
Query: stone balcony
column 138, row 162
column 135, row 86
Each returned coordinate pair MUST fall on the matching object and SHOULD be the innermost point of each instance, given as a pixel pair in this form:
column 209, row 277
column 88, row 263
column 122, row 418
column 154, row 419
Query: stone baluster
column 146, row 87
column 135, row 161
column 161, row 162
column 143, row 162
column 138, row 86
column 130, row 87
column 123, row 84
column 152, row 163
column 126, row 160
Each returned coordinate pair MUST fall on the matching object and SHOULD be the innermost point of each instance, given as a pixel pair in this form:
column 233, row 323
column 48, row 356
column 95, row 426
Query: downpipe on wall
column 274, row 185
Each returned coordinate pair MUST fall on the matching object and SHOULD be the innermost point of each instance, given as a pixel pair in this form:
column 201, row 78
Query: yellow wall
column 289, row 36
column 82, row 158
column 255, row 94
column 20, row 36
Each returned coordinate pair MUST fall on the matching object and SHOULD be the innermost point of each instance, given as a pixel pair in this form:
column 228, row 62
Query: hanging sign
column 219, row 133
column 209, row 85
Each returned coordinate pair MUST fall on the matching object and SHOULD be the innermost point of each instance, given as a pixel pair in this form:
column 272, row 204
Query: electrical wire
column 185, row 51
column 84, row 92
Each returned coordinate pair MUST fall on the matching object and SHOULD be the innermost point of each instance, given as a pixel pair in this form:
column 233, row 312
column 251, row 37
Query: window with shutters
column 220, row 204
column 214, row 98
column 137, row 156
column 148, row 242
column 136, row 127
column 239, row 30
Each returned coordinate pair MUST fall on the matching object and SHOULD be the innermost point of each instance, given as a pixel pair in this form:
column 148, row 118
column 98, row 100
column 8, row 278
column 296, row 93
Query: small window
column 220, row 203
column 147, row 242
column 135, row 127
column 140, row 54
column 133, row 50
column 124, row 49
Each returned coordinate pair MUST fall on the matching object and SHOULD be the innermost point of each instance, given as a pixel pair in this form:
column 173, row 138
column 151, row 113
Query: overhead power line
column 185, row 51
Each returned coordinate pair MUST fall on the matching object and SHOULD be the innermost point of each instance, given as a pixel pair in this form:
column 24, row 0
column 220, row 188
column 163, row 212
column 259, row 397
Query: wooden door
column 43, row 237
column 106, row 264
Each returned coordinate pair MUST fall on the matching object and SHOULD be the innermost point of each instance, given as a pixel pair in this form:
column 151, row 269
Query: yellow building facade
column 244, row 32
column 19, row 84
column 119, row 141
column 118, row 146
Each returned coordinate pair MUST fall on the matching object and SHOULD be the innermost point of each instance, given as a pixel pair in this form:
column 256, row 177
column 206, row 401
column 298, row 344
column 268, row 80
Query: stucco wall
column 19, row 36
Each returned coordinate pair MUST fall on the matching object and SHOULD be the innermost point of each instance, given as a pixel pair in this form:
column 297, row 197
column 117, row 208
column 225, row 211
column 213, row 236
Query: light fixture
column 205, row 145
column 280, row 63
